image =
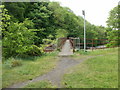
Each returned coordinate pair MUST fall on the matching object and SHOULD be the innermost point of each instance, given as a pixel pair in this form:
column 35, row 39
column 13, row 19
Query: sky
column 97, row 11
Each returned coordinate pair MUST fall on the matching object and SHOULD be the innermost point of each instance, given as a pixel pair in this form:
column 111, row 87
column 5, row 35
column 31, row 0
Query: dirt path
column 55, row 76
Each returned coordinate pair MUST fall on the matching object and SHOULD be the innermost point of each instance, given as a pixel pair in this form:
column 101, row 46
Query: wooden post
column 92, row 44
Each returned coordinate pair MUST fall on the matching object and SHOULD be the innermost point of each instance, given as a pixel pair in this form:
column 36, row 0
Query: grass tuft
column 40, row 84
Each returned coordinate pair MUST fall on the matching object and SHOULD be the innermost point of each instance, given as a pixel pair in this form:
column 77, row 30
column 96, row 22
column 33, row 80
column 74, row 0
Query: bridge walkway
column 67, row 49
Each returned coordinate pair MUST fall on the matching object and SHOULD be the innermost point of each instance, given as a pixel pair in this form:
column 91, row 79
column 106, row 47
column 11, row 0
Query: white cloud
column 97, row 11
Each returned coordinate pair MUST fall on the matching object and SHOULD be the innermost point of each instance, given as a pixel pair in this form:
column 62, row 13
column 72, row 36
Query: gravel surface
column 66, row 49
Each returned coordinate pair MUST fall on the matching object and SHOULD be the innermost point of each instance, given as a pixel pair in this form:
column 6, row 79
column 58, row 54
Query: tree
column 40, row 16
column 113, row 27
column 112, row 21
column 5, row 19
column 17, row 10
column 60, row 33
column 35, row 24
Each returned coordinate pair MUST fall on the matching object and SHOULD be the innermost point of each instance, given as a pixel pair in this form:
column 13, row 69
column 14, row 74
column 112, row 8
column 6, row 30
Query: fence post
column 79, row 43
column 92, row 44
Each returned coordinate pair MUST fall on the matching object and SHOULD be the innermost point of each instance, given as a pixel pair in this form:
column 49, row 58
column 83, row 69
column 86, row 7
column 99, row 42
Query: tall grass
column 30, row 68
column 97, row 72
column 0, row 74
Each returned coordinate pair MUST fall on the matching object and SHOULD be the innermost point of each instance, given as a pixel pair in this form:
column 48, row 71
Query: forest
column 28, row 27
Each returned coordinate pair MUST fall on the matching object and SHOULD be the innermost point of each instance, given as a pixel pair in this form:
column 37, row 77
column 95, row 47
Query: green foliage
column 64, row 18
column 112, row 21
column 113, row 38
column 17, row 10
column 61, row 33
column 113, row 27
column 33, row 23
column 40, row 16
column 17, row 40
column 48, row 40
column 35, row 50
column 4, row 17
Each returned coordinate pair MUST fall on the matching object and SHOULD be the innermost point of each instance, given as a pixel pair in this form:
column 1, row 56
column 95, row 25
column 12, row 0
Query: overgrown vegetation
column 26, row 29
column 22, row 69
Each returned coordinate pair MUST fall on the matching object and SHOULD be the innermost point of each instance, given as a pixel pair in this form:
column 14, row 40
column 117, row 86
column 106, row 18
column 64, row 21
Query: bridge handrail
column 72, row 43
column 62, row 42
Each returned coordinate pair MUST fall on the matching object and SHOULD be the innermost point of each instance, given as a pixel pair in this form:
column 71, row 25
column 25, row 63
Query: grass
column 40, row 84
column 31, row 67
column 0, row 64
column 81, row 54
column 0, row 74
column 97, row 72
column 0, row 42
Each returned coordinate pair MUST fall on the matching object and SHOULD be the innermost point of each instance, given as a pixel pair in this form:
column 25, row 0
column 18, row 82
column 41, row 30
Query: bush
column 35, row 51
column 112, row 44
column 17, row 39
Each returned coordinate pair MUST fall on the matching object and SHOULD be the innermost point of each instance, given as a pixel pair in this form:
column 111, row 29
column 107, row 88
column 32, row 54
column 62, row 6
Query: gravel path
column 55, row 76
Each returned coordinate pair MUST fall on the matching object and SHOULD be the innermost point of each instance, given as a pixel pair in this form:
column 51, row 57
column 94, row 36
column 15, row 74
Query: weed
column 16, row 63
column 31, row 67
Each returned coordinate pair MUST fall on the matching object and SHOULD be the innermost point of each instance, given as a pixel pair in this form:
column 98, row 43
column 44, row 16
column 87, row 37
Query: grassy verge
column 0, row 64
column 0, row 75
column 28, row 68
column 40, row 84
column 81, row 54
column 97, row 72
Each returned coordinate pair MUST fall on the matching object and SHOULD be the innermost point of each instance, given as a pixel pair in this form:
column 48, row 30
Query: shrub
column 35, row 51
column 17, row 39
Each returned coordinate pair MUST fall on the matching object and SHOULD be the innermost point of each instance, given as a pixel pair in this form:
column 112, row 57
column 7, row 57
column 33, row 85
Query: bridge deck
column 66, row 49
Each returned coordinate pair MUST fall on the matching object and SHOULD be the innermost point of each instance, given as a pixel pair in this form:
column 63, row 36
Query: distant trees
column 28, row 26
column 113, row 27
column 112, row 21
column 16, row 10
